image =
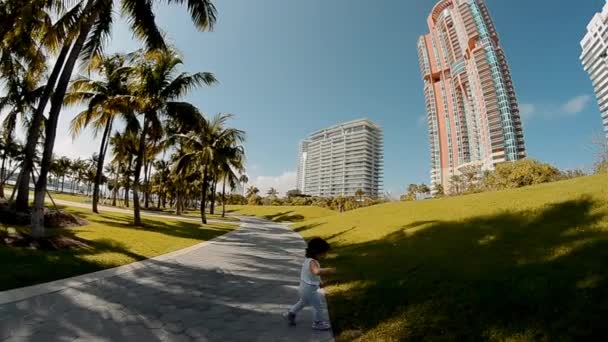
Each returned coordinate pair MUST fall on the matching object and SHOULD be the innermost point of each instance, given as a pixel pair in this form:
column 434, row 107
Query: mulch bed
column 53, row 219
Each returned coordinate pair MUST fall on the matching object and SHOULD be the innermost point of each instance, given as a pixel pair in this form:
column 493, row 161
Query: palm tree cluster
column 42, row 41
column 79, row 174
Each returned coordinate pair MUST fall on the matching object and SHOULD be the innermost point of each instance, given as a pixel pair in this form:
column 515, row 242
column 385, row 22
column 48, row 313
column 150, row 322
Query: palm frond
column 186, row 82
column 203, row 13
column 143, row 23
column 100, row 31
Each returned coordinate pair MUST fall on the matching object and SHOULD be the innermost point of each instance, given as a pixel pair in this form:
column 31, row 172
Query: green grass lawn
column 519, row 265
column 281, row 213
column 112, row 242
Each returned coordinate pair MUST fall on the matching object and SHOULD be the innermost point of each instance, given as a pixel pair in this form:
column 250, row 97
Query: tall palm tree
column 203, row 149
column 53, row 36
column 92, row 28
column 157, row 90
column 108, row 98
column 231, row 163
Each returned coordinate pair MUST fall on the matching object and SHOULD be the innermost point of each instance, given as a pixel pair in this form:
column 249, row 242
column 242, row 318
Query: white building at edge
column 594, row 58
column 339, row 160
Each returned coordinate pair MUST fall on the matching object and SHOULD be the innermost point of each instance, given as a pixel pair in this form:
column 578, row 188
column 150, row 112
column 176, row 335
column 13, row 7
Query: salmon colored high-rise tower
column 472, row 111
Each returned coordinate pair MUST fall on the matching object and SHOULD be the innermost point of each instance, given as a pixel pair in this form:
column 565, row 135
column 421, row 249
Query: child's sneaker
column 290, row 318
column 321, row 326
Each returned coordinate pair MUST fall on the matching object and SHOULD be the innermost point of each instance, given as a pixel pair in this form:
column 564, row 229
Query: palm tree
column 204, row 148
column 64, row 165
column 19, row 101
column 252, row 191
column 10, row 149
column 230, row 161
column 124, row 148
column 112, row 171
column 272, row 193
column 32, row 19
column 157, row 91
column 108, row 98
column 360, row 193
column 92, row 28
column 78, row 169
column 162, row 178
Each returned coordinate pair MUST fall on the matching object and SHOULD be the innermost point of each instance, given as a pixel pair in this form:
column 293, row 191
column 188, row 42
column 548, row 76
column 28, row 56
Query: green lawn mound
column 280, row 213
column 108, row 240
column 519, row 265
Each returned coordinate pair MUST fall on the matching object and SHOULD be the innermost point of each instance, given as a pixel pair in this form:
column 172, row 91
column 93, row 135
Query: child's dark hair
column 316, row 247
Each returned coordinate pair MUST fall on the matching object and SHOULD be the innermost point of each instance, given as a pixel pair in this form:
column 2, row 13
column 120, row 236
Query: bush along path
column 234, row 288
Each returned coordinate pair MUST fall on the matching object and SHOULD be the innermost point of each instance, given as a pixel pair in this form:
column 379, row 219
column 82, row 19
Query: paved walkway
column 144, row 213
column 232, row 289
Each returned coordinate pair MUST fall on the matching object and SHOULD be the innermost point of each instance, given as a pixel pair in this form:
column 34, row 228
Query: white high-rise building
column 339, row 160
column 595, row 59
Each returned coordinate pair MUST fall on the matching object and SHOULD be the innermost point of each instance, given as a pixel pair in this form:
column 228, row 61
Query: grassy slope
column 526, row 264
column 113, row 242
column 280, row 213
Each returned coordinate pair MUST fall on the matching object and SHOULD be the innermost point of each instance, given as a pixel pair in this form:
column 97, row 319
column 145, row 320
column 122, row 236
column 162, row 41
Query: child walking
column 310, row 280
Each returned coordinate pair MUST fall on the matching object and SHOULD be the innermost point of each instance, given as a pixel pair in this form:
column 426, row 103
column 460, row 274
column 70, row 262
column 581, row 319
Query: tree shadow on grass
column 25, row 266
column 306, row 227
column 181, row 229
column 287, row 216
column 532, row 275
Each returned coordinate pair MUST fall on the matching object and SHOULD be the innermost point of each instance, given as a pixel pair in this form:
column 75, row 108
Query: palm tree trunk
column 62, row 183
column 2, row 174
column 100, row 161
column 115, row 190
column 213, row 195
column 147, row 170
column 204, row 196
column 33, row 134
column 178, row 204
column 51, row 132
column 224, row 199
column 15, row 187
column 141, row 154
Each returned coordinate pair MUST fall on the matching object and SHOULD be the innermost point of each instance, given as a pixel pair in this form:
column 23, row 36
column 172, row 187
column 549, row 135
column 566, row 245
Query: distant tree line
column 296, row 198
column 513, row 175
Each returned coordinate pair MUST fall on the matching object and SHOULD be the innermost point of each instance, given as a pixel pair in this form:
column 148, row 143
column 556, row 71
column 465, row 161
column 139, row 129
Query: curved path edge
column 22, row 293
column 232, row 288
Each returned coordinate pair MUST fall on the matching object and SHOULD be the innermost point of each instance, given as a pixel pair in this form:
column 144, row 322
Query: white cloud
column 283, row 183
column 573, row 106
column 527, row 110
column 576, row 104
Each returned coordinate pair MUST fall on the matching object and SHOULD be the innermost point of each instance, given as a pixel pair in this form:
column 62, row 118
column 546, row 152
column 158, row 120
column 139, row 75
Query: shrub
column 601, row 167
column 521, row 173
column 254, row 200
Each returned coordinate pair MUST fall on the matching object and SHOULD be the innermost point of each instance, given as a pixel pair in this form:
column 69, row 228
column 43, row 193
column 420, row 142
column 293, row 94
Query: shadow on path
column 234, row 289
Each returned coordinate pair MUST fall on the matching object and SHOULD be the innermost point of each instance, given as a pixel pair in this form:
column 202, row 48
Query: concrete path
column 130, row 211
column 232, row 289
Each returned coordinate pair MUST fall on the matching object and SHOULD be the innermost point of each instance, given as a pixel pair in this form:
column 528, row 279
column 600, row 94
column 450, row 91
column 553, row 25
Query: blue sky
column 287, row 68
